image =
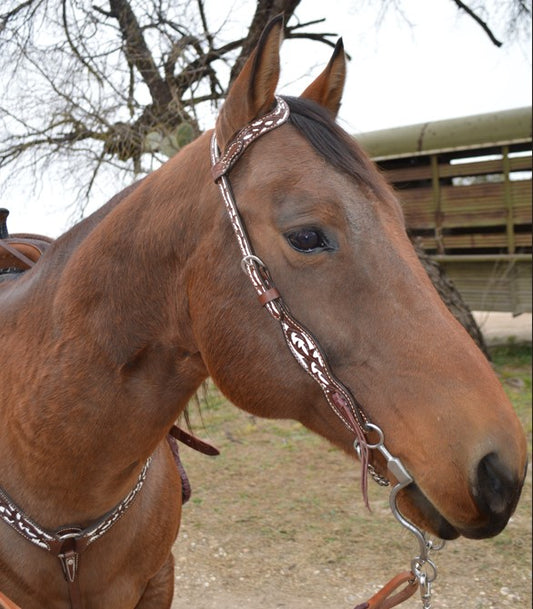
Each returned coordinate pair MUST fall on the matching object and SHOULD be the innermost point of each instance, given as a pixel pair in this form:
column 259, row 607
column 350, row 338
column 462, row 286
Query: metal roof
column 478, row 131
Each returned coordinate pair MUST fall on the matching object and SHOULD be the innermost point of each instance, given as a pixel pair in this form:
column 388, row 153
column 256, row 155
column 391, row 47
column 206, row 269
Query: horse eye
column 307, row 240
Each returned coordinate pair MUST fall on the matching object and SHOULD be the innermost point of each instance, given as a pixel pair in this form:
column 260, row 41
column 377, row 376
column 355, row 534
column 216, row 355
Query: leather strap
column 302, row 344
column 268, row 296
column 27, row 262
column 7, row 603
column 69, row 558
column 387, row 597
column 193, row 442
column 186, row 490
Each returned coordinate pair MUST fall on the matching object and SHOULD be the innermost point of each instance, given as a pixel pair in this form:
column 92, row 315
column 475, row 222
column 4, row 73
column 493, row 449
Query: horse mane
column 336, row 146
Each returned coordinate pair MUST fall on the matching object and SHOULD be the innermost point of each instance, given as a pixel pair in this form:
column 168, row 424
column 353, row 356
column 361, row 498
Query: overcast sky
column 431, row 63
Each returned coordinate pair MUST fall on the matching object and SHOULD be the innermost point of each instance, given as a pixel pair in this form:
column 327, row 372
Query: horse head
column 331, row 232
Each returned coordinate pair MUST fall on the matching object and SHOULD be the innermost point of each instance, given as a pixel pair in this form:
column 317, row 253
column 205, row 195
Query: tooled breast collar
column 69, row 542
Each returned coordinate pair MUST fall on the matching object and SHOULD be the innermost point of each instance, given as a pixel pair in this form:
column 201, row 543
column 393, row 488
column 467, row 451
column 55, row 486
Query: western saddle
column 19, row 252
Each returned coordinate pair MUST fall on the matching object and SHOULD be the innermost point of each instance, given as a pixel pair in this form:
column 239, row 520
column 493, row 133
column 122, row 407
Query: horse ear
column 327, row 88
column 252, row 92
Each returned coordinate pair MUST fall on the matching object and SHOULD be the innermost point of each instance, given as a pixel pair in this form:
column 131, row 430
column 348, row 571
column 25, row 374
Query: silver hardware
column 248, row 260
column 425, row 591
column 425, row 570
column 69, row 564
column 422, row 567
column 377, row 477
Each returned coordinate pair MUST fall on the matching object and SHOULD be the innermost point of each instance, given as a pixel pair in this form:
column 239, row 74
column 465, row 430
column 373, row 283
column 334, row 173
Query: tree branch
column 5, row 17
column 207, row 33
column 73, row 47
column 137, row 52
column 13, row 151
column 477, row 19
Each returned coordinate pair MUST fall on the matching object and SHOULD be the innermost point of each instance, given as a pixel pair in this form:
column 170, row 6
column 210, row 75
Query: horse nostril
column 496, row 490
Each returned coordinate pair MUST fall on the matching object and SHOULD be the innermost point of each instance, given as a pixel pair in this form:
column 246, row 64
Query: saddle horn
column 4, row 213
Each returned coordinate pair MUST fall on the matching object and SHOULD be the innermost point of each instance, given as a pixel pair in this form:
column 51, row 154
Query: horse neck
column 113, row 361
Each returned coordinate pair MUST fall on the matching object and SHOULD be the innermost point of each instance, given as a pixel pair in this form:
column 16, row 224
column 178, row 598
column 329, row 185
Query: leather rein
column 310, row 356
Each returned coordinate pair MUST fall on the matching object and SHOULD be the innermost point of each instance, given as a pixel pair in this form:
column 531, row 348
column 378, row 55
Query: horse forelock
column 336, row 146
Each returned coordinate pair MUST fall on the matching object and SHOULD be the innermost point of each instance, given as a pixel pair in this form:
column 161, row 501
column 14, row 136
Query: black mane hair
column 336, row 146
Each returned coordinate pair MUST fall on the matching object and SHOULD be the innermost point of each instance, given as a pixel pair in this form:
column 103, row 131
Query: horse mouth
column 432, row 520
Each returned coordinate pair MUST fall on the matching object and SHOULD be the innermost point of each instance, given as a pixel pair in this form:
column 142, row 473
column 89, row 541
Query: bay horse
column 108, row 336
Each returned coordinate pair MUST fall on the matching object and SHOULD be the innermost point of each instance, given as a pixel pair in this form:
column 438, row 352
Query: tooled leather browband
column 247, row 135
column 303, row 346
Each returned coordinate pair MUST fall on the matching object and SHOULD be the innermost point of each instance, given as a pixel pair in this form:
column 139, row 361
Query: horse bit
column 307, row 352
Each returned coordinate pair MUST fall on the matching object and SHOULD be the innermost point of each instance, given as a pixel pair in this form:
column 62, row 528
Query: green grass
column 512, row 363
column 512, row 355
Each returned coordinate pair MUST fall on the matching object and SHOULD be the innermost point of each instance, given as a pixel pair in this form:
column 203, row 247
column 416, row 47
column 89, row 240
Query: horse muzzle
column 495, row 492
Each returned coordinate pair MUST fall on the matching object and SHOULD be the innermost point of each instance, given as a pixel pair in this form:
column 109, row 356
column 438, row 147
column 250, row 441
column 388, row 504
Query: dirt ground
column 277, row 521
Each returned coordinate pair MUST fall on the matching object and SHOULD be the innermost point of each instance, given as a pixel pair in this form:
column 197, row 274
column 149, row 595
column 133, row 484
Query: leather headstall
column 301, row 343
column 307, row 352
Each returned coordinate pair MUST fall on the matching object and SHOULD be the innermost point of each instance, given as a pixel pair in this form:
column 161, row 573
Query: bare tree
column 126, row 82
column 516, row 15
column 115, row 83
column 513, row 17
